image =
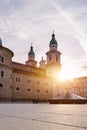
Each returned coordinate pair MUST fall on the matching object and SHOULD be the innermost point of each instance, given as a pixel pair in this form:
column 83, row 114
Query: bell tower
column 53, row 57
column 42, row 63
column 31, row 58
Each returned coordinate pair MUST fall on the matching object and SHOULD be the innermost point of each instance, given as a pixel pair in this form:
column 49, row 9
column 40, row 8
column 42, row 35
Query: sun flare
column 68, row 72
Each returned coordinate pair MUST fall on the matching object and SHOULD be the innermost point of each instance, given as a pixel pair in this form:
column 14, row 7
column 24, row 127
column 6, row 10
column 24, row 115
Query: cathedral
column 27, row 81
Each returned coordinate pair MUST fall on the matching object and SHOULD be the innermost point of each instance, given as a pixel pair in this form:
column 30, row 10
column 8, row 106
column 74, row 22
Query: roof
column 53, row 40
column 31, row 52
column 6, row 49
column 0, row 42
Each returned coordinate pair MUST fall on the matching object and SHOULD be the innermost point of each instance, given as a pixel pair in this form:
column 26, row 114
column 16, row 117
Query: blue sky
column 23, row 22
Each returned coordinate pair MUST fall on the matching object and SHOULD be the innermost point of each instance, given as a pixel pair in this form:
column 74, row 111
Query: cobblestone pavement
column 43, row 117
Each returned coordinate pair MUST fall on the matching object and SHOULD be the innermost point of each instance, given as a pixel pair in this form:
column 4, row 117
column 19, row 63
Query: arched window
column 50, row 58
column 17, row 88
column 1, row 73
column 1, row 85
column 1, row 59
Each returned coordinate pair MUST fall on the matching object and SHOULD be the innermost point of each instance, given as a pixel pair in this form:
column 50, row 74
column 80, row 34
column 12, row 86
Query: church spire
column 31, row 58
column 53, row 35
column 53, row 40
column 31, row 52
column 53, row 43
column 42, row 63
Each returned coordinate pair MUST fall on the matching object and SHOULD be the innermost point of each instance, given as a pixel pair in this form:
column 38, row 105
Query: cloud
column 26, row 21
column 77, row 32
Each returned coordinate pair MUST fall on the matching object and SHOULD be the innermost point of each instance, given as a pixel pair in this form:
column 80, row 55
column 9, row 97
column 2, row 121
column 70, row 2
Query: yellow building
column 27, row 81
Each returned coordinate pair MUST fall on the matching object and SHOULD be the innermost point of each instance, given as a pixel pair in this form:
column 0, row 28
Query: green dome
column 53, row 41
column 0, row 42
column 31, row 52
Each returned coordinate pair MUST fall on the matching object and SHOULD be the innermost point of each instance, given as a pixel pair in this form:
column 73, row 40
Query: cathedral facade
column 27, row 81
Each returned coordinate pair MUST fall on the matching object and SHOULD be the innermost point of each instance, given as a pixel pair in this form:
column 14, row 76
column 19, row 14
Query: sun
column 68, row 72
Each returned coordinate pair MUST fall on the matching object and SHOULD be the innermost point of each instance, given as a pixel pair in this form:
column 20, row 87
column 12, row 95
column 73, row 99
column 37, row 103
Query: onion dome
column 53, row 40
column 0, row 42
column 31, row 52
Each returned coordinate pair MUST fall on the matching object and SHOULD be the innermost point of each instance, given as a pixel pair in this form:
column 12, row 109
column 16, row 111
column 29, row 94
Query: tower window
column 56, row 58
column 49, row 58
column 1, row 85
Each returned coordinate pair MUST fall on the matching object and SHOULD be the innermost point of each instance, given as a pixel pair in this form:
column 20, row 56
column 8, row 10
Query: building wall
column 6, row 76
column 5, row 91
column 23, row 82
column 31, row 87
column 80, row 86
column 20, row 81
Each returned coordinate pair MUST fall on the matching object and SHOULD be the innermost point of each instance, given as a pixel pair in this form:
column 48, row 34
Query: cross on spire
column 53, row 31
column 31, row 44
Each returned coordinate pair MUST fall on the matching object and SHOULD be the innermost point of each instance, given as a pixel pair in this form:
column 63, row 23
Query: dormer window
column 50, row 58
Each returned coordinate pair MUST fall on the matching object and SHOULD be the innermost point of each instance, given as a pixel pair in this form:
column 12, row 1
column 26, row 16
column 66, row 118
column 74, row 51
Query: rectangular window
column 56, row 58
column 38, row 82
column 17, row 79
column 28, row 81
column 49, row 58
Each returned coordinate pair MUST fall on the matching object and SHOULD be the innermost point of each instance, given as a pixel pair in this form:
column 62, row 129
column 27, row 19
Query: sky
column 23, row 22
